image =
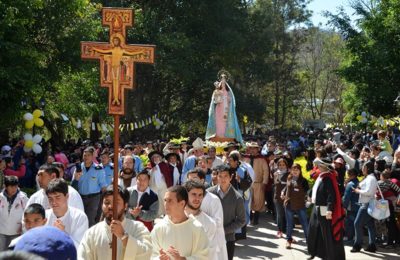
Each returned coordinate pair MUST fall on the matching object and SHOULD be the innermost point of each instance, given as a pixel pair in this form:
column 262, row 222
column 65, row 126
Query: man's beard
column 127, row 173
column 109, row 216
column 192, row 207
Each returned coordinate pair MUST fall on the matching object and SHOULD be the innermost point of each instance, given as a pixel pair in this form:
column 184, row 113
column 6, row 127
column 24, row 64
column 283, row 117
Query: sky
column 319, row 6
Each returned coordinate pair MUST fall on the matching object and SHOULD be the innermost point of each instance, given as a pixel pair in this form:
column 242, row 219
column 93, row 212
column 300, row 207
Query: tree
column 40, row 53
column 320, row 59
column 373, row 58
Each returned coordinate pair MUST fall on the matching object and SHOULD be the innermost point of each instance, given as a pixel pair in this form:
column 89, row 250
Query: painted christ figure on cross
column 117, row 59
column 117, row 53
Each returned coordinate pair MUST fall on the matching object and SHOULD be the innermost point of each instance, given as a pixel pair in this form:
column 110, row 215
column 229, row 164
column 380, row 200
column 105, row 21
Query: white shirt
column 95, row 243
column 11, row 221
column 121, row 182
column 212, row 206
column 75, row 221
column 210, row 227
column 40, row 197
column 188, row 237
column 176, row 174
column 368, row 188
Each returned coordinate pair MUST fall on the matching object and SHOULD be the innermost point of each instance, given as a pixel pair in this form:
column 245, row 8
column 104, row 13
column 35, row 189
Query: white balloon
column 161, row 122
column 26, row 149
column 158, row 127
column 28, row 116
column 37, row 139
column 364, row 120
column 27, row 137
column 37, row 149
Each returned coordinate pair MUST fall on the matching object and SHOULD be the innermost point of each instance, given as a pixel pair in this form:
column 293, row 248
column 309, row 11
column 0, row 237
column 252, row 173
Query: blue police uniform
column 89, row 186
column 109, row 172
column 92, row 180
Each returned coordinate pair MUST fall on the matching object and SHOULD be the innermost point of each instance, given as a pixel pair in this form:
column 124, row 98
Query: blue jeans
column 301, row 213
column 364, row 219
column 349, row 224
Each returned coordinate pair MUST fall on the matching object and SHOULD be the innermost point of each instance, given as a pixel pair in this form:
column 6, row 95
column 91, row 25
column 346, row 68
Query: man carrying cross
column 133, row 237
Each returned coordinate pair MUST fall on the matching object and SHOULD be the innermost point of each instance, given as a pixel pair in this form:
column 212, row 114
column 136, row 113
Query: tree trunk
column 276, row 105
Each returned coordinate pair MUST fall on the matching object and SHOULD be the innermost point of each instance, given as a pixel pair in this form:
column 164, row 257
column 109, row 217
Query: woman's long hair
column 290, row 177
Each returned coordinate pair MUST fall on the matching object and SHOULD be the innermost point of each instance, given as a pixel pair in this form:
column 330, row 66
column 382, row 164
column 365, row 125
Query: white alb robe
column 159, row 186
column 211, row 205
column 210, row 227
column 74, row 220
column 96, row 242
column 188, row 237
column 40, row 197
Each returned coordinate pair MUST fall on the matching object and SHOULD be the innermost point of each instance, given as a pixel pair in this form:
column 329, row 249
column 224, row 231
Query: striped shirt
column 388, row 185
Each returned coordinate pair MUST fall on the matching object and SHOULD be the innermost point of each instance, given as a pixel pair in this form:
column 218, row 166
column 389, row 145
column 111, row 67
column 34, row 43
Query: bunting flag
column 157, row 120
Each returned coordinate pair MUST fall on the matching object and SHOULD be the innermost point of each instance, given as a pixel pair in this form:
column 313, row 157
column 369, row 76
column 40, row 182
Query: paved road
column 261, row 243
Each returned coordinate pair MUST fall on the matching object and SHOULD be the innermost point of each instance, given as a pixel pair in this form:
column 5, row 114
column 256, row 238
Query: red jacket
column 19, row 173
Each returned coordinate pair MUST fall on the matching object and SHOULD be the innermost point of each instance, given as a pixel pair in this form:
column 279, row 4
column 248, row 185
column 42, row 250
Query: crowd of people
column 178, row 201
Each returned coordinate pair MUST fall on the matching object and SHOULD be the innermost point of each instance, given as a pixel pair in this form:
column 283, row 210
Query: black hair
column 222, row 168
column 50, row 169
column 352, row 172
column 193, row 184
column 212, row 147
column 35, row 208
column 7, row 160
column 370, row 165
column 181, row 193
column 58, row 165
column 124, row 193
column 235, row 156
column 89, row 149
column 57, row 185
column 355, row 152
column 144, row 172
column 200, row 173
column 11, row 181
column 381, row 164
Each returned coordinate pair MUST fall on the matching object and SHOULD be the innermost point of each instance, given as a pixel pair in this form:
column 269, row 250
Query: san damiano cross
column 117, row 68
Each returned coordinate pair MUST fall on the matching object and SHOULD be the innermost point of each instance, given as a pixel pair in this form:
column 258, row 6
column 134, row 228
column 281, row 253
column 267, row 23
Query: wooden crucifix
column 117, row 72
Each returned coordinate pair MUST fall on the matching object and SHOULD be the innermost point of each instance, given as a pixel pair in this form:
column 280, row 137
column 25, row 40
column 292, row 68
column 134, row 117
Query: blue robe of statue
column 232, row 129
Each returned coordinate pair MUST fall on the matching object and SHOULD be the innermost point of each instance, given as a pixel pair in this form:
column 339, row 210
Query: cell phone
column 78, row 167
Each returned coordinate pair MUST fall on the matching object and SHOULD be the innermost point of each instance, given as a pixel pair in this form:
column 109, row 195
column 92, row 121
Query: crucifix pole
column 117, row 72
column 115, row 182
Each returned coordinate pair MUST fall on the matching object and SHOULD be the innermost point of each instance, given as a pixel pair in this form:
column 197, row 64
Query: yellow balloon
column 29, row 124
column 37, row 113
column 359, row 118
column 38, row 122
column 29, row 144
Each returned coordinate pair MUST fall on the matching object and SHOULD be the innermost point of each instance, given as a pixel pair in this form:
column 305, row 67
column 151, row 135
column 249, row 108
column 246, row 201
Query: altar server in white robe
column 212, row 206
column 133, row 238
column 177, row 235
column 196, row 191
column 45, row 174
column 72, row 221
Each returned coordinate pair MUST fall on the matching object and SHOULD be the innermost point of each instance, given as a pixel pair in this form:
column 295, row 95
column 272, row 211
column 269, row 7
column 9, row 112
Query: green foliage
column 258, row 42
column 373, row 57
column 39, row 53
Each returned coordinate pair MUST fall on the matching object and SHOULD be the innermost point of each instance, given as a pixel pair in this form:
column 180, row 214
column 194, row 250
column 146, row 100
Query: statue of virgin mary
column 222, row 120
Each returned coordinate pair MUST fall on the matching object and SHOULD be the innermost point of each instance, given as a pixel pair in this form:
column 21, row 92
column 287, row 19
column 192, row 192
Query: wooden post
column 115, row 181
